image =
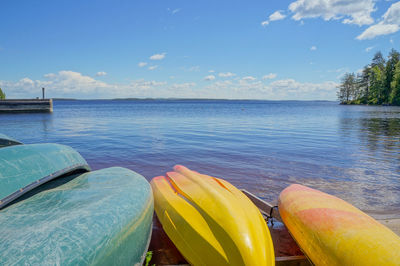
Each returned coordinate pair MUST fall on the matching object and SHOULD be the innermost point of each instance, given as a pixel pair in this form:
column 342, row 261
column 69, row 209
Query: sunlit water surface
column 350, row 151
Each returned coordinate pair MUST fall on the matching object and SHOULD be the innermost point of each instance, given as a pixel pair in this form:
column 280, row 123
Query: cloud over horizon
column 71, row 84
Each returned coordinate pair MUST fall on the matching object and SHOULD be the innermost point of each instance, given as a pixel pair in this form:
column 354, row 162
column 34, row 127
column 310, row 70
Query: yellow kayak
column 330, row 231
column 210, row 221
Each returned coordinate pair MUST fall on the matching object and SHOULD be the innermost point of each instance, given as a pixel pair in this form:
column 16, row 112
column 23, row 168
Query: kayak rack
column 267, row 209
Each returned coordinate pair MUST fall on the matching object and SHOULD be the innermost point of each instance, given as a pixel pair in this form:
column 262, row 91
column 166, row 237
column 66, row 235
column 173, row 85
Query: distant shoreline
column 185, row 99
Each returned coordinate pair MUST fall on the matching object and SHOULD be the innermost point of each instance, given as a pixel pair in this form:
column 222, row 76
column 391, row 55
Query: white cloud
column 313, row 48
column 182, row 86
column 392, row 15
column 194, row 69
column 76, row 85
column 368, row 49
column 249, row 78
column 211, row 71
column 277, row 15
column 101, row 73
column 349, row 11
column 269, row 76
column 290, row 85
column 390, row 24
column 174, row 11
column 209, row 77
column 142, row 64
column 152, row 67
column 377, row 30
column 72, row 84
column 226, row 74
column 50, row 75
column 158, row 56
column 288, row 89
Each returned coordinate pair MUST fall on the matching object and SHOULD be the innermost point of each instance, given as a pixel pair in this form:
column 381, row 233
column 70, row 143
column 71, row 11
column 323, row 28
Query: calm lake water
column 350, row 151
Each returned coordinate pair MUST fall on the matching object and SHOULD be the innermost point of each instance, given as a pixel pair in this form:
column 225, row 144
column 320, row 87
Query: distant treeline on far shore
column 378, row 83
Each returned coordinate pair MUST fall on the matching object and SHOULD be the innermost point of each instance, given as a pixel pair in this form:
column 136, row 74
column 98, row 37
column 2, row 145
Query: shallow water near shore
column 352, row 152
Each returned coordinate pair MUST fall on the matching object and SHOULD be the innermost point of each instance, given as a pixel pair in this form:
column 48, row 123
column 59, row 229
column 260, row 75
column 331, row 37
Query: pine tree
column 393, row 59
column 395, row 86
column 2, row 95
column 364, row 83
column 378, row 61
column 376, row 85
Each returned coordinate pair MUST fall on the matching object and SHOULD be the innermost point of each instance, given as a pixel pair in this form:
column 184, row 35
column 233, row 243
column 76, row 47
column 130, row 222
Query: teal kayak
column 96, row 218
column 24, row 167
column 7, row 141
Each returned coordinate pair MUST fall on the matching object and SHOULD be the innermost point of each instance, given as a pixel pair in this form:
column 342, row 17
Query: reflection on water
column 349, row 151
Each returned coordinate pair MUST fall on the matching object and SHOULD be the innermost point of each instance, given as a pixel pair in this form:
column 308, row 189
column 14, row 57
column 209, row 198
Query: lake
column 263, row 146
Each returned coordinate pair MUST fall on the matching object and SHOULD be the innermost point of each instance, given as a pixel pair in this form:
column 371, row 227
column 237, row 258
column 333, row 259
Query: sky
column 231, row 49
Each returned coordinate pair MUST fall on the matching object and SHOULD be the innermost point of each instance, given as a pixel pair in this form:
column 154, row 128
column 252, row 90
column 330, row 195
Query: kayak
column 24, row 167
column 98, row 218
column 7, row 141
column 331, row 231
column 210, row 221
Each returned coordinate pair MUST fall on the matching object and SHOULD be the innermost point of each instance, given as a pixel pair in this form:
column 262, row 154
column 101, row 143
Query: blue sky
column 277, row 50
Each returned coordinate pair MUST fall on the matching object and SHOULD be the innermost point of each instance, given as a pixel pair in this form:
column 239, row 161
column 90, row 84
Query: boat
column 331, row 231
column 210, row 221
column 54, row 212
column 7, row 141
column 96, row 218
column 24, row 167
column 287, row 252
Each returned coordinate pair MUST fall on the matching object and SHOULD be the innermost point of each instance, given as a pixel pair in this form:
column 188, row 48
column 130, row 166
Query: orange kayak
column 331, row 231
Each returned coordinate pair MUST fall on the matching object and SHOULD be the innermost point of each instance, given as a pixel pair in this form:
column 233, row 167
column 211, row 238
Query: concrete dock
column 26, row 106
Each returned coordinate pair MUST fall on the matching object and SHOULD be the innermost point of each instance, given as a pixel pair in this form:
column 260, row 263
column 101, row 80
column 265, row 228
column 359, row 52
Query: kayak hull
column 7, row 141
column 330, row 231
column 210, row 221
column 24, row 167
column 99, row 218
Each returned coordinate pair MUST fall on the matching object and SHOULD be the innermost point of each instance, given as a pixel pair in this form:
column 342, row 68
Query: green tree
column 395, row 86
column 2, row 95
column 376, row 88
column 347, row 88
column 378, row 61
column 364, row 83
column 394, row 58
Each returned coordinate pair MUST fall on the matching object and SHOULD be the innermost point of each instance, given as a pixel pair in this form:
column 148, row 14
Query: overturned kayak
column 97, row 218
column 24, row 167
column 330, row 231
column 210, row 221
column 7, row 141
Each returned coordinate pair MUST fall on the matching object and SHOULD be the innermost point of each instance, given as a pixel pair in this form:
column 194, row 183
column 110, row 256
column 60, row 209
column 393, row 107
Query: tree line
column 378, row 83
